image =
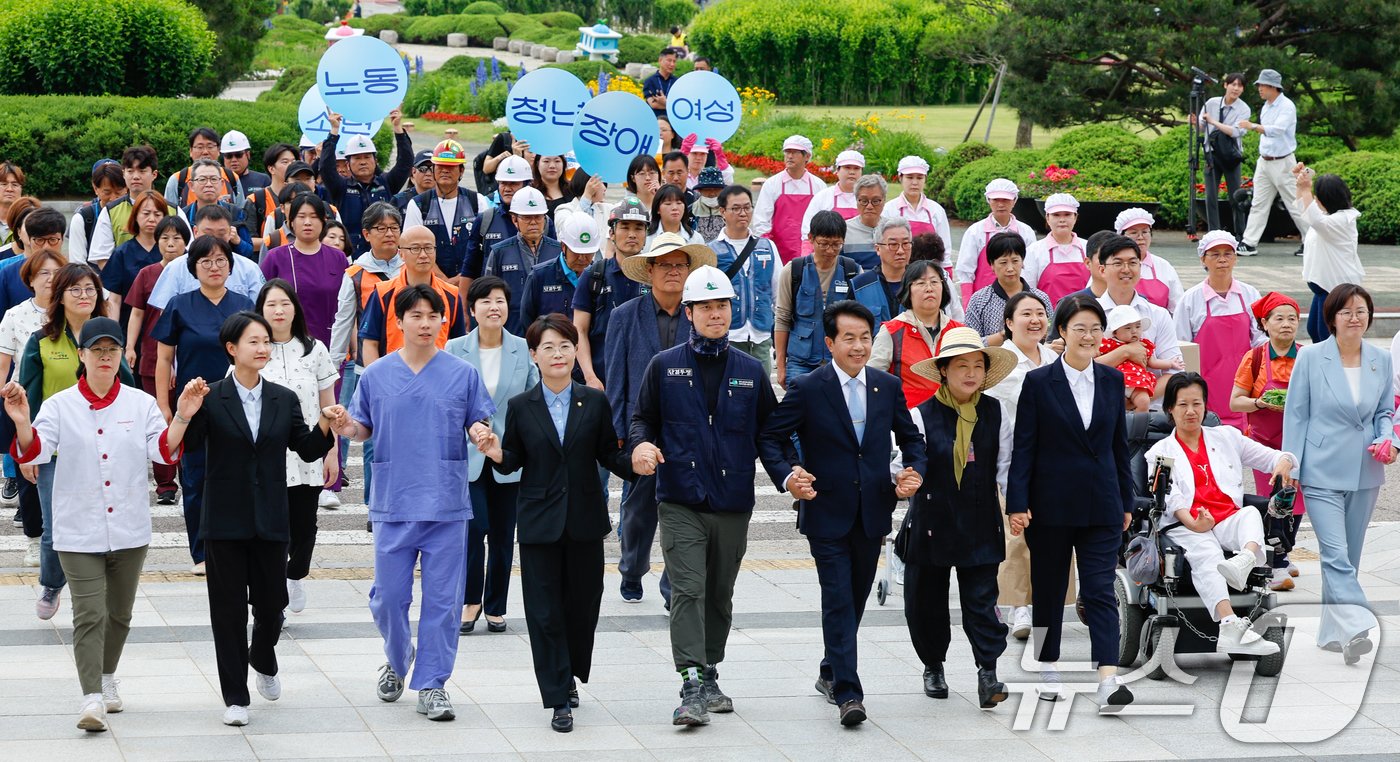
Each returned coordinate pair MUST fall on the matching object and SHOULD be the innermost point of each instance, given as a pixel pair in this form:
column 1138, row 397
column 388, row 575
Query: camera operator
column 1219, row 124
column 1273, row 174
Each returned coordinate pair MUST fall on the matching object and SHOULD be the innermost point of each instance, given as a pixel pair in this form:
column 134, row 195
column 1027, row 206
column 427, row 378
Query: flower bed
column 438, row 116
column 770, row 167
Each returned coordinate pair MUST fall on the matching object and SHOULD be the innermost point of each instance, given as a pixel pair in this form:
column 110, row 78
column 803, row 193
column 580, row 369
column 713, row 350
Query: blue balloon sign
column 362, row 78
column 610, row 131
column 311, row 115
column 706, row 104
column 541, row 108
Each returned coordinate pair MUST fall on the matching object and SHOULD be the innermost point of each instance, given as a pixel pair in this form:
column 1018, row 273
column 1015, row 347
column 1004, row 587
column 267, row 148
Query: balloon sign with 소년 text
column 311, row 115
column 706, row 104
column 362, row 78
column 541, row 108
column 610, row 131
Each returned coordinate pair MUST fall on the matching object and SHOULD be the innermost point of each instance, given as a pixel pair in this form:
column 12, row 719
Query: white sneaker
column 1021, row 622
column 1236, row 569
column 269, row 687
column 110, row 699
column 1113, row 695
column 197, row 569
column 31, row 554
column 1051, row 687
column 93, row 716
column 296, row 596
column 328, row 499
column 1236, row 637
column 236, row 715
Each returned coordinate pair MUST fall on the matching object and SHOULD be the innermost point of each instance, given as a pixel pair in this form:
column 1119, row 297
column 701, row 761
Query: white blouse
column 20, row 322
column 306, row 374
column 100, row 498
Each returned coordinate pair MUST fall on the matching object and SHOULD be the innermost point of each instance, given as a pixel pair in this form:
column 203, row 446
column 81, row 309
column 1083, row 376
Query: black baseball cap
column 422, row 157
column 97, row 329
column 297, row 168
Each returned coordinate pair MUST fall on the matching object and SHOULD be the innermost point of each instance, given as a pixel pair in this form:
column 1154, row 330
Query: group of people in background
column 503, row 352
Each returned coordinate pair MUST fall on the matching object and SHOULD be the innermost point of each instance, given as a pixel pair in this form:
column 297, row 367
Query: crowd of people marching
column 503, row 352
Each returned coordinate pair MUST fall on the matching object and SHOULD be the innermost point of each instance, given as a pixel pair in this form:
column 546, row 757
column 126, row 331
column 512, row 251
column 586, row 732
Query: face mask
column 710, row 203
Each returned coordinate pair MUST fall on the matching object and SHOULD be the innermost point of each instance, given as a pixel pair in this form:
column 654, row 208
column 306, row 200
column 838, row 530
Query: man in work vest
column 204, row 144
column 380, row 333
column 603, row 287
column 512, row 260
column 237, row 153
column 804, row 287
column 551, row 284
column 205, row 179
column 381, row 224
column 494, row 224
column 107, row 186
column 262, row 202
column 140, row 171
column 695, row 432
column 447, row 209
column 366, row 183
column 750, row 262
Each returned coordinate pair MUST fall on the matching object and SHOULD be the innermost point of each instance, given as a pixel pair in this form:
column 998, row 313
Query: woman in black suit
column 560, row 432
column 1070, row 490
column 246, row 426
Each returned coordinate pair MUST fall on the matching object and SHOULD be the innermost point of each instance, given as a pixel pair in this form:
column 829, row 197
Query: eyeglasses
column 205, row 180
column 1218, row 254
column 1123, row 264
column 1080, row 331
column 898, row 245
column 236, row 155
column 214, row 263
column 1360, row 314
column 385, row 229
column 45, row 274
column 82, row 291
column 106, row 351
column 417, row 250
column 48, row 240
column 871, row 202
column 746, row 209
column 671, row 266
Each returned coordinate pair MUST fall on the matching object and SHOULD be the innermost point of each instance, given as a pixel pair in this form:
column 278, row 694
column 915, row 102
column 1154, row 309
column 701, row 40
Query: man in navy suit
column 1070, row 490
column 842, row 414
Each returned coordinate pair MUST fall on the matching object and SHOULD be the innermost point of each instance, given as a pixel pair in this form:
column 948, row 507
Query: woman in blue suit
column 504, row 362
column 1339, row 418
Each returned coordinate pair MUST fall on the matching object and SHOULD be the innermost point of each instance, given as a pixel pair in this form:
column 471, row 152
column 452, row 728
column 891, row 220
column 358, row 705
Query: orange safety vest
column 388, row 290
column 364, row 289
column 183, row 182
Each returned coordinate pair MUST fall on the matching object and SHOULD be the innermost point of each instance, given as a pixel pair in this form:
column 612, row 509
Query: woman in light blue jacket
column 505, row 366
column 1339, row 419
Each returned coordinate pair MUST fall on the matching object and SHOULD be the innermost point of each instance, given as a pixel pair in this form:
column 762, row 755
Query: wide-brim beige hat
column 635, row 266
column 962, row 341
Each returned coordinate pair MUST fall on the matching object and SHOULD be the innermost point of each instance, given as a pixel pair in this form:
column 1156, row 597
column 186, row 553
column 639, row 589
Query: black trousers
column 845, row 570
column 562, row 584
column 930, row 624
column 1096, row 551
column 490, row 542
column 302, row 504
column 239, row 573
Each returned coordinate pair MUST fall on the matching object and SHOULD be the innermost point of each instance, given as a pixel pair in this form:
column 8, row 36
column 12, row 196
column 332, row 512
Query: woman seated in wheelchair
column 1204, row 508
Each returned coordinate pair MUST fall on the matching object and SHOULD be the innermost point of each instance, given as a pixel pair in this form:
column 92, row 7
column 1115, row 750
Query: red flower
column 439, row 116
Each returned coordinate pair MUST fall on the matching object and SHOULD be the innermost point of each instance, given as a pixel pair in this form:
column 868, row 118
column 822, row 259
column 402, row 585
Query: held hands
column 1245, row 124
column 800, row 482
column 645, row 457
column 16, row 402
column 907, row 482
column 478, row 433
column 340, row 420
column 192, row 398
column 490, row 446
column 1019, row 522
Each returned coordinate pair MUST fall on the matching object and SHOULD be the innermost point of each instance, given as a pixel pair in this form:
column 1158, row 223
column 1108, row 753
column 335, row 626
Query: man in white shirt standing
column 1278, row 128
column 784, row 199
column 1119, row 265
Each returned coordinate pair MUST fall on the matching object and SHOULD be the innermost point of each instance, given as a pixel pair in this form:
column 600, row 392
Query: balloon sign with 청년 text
column 311, row 115
column 541, row 108
column 610, row 131
column 362, row 78
column 706, row 104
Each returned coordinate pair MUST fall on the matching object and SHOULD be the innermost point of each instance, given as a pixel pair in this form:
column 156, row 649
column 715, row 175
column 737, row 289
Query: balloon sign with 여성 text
column 706, row 104
column 610, row 131
column 541, row 108
column 362, row 78
column 311, row 115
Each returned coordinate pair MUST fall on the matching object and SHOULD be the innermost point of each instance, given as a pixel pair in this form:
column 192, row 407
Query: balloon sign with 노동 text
column 541, row 108
column 706, row 104
column 362, row 78
column 610, row 131
column 311, row 115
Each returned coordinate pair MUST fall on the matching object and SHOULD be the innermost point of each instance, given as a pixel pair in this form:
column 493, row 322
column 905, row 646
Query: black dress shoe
column 1356, row 648
column 573, row 694
column 990, row 691
column 852, row 713
column 935, row 686
column 467, row 627
column 563, row 720
column 824, row 688
column 496, row 626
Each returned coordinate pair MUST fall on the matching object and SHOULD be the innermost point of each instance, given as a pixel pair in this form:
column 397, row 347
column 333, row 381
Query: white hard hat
column 340, row 151
column 1134, row 216
column 306, row 141
column 358, row 144
column 578, row 234
column 1061, row 202
column 513, row 169
column 1002, row 188
column 705, row 283
column 233, row 142
column 529, row 200
column 797, row 143
column 912, row 165
column 849, row 158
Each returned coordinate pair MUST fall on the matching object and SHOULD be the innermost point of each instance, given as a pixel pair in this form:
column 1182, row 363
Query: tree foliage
column 238, row 25
column 1106, row 60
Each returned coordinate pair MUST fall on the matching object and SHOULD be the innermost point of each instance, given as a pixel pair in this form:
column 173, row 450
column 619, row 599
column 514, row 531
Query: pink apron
column 984, row 275
column 1266, row 428
column 787, row 222
column 1151, row 288
column 847, row 213
column 1223, row 339
column 1059, row 279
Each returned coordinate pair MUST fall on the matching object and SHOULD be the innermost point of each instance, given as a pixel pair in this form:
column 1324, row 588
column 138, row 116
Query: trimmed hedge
column 578, row 8
column 99, row 47
column 967, row 186
column 641, row 48
column 941, row 171
column 587, row 71
column 377, row 23
column 480, row 30
column 485, row 7
column 1374, row 179
column 291, row 86
column 292, row 42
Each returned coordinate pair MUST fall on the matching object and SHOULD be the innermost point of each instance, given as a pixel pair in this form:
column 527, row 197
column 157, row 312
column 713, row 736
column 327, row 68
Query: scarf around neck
column 707, row 347
column 967, row 421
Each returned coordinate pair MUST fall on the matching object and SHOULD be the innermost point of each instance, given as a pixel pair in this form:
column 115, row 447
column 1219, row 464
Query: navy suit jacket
column 1063, row 474
column 852, row 479
column 633, row 339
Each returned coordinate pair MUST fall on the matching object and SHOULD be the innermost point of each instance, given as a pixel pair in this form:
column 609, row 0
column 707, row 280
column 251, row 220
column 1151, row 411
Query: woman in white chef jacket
column 101, row 510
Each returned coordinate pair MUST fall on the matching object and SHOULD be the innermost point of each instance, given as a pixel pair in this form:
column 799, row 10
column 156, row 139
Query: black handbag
column 901, row 538
column 1224, row 149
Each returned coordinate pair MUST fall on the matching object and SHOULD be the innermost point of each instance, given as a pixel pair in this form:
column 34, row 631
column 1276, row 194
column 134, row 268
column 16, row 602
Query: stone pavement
column 330, row 655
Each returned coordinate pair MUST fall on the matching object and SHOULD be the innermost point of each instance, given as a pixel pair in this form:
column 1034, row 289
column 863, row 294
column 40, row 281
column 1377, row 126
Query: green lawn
column 941, row 126
column 480, row 133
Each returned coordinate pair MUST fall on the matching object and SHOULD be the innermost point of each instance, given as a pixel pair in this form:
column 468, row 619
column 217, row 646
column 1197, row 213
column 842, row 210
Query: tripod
column 1196, row 146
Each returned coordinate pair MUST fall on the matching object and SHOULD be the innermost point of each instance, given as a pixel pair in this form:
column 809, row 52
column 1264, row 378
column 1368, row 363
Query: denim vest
column 806, row 343
column 512, row 261
column 451, row 237
column 753, row 304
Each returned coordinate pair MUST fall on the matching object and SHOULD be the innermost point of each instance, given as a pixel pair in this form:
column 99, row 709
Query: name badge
column 681, row 372
column 762, row 257
column 509, row 268
column 842, row 287
column 741, row 383
column 553, row 289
